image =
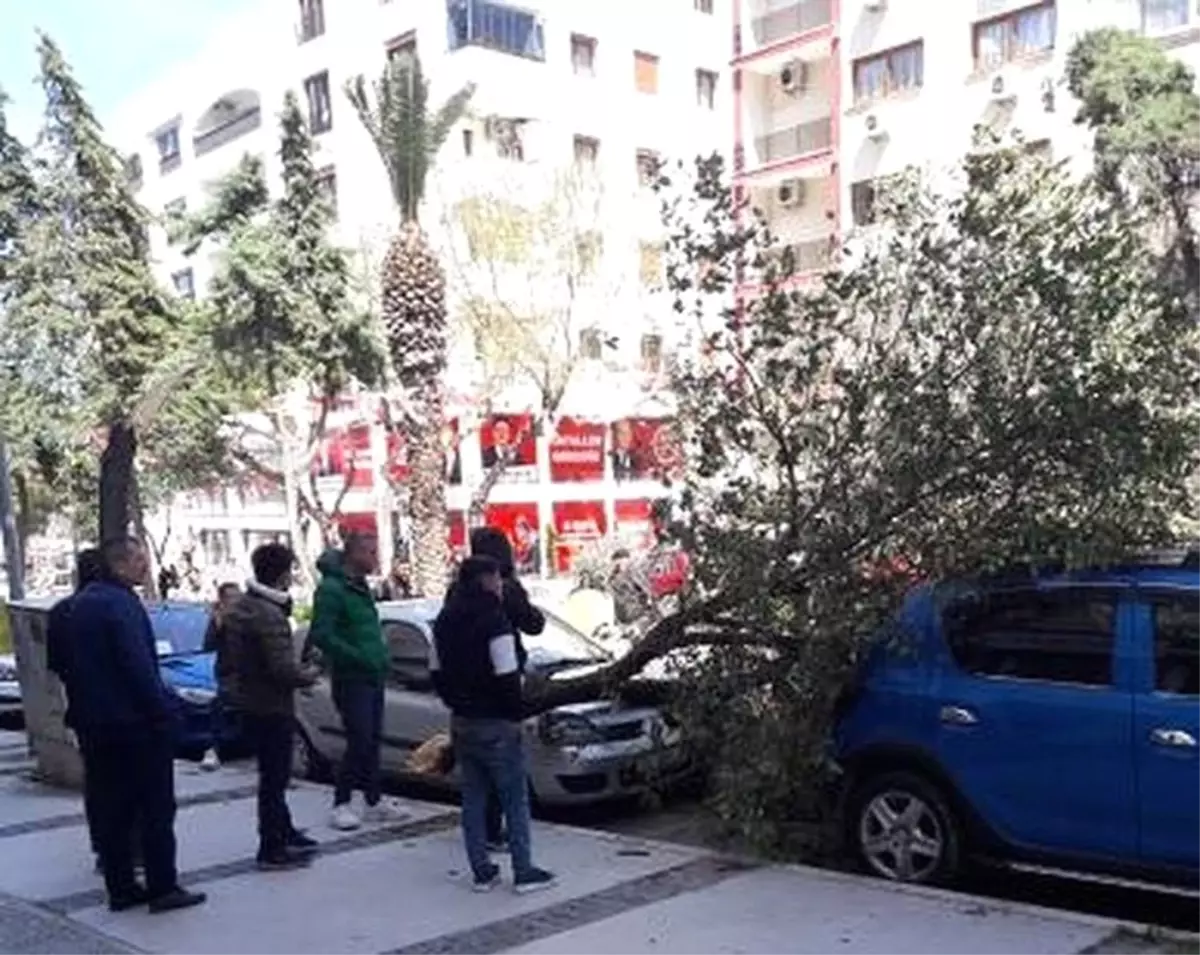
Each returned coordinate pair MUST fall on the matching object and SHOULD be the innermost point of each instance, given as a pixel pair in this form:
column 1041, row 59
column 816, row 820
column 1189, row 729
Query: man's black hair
column 224, row 588
column 476, row 566
column 494, row 543
column 89, row 567
column 116, row 549
column 271, row 562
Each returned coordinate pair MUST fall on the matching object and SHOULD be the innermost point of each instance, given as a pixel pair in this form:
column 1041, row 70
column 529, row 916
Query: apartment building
column 830, row 96
column 602, row 91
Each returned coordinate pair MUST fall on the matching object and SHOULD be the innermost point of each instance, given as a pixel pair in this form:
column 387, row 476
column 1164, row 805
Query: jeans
column 360, row 704
column 491, row 758
column 272, row 736
column 130, row 778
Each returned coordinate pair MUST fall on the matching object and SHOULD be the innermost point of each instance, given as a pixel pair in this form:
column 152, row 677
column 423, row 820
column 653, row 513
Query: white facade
column 623, row 78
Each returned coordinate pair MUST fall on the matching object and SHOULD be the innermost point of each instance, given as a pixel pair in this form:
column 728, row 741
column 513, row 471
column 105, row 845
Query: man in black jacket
column 477, row 674
column 525, row 618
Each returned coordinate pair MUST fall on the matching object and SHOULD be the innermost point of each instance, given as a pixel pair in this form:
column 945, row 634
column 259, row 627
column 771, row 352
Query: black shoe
column 535, row 880
column 284, row 860
column 129, row 900
column 176, row 899
column 298, row 840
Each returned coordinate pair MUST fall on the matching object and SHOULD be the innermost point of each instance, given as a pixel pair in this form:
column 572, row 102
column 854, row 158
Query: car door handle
column 1176, row 739
column 957, row 716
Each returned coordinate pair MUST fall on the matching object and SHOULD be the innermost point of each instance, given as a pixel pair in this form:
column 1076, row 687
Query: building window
column 589, row 247
column 647, row 167
column 1014, row 36
column 650, row 269
column 468, row 136
column 402, row 51
column 327, row 184
column 320, row 106
column 703, row 6
column 886, row 74
column 645, row 72
column 706, row 89
column 652, row 354
column 587, row 150
column 167, row 141
column 312, row 19
column 507, row 135
column 591, row 345
column 862, row 202
column 583, row 55
column 1162, row 16
column 497, row 26
column 173, row 212
column 185, row 283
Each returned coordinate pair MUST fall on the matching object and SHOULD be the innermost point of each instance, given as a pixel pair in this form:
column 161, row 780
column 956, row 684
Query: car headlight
column 197, row 696
column 568, row 729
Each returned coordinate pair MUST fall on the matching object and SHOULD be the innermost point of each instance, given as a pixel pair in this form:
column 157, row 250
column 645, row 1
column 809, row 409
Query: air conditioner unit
column 791, row 194
column 875, row 6
column 876, row 129
column 793, row 78
column 1002, row 89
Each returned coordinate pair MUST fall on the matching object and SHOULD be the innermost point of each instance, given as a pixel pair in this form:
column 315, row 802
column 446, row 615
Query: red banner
column 645, row 449
column 576, row 525
column 511, row 435
column 634, row 522
column 520, row 525
column 357, row 524
column 577, row 451
column 344, row 456
column 457, row 529
column 451, row 445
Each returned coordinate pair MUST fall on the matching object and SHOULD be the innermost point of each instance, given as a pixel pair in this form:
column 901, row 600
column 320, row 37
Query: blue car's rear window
column 178, row 628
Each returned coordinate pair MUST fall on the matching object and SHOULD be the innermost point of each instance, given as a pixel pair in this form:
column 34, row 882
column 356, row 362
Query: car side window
column 1056, row 636
column 1176, row 623
column 409, row 653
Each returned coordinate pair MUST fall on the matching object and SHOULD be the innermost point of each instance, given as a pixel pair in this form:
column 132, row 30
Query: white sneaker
column 385, row 811
column 345, row 818
column 211, row 762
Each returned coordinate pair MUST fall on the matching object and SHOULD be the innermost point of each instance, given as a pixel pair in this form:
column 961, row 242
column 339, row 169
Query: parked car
column 10, row 687
column 584, row 753
column 1047, row 723
column 187, row 670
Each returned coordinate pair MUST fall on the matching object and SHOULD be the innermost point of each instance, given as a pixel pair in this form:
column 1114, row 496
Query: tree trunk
column 24, row 510
column 305, row 562
column 427, row 503
column 139, row 524
column 117, row 465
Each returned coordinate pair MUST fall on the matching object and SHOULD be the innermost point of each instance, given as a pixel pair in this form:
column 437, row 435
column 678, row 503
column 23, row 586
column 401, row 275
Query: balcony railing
column 227, row 132
column 495, row 26
column 792, row 21
column 811, row 255
column 796, row 140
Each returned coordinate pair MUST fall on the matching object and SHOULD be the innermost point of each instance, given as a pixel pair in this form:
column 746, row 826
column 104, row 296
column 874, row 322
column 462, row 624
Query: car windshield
column 178, row 628
column 560, row 646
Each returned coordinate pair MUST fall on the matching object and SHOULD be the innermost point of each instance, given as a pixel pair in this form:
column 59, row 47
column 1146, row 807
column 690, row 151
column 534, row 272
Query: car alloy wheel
column 901, row 836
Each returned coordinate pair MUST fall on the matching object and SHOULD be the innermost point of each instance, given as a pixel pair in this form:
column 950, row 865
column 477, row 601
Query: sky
column 116, row 47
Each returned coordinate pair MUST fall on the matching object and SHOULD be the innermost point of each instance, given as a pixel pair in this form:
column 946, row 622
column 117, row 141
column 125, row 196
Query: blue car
column 1049, row 722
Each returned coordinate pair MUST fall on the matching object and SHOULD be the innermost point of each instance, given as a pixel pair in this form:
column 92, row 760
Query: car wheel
column 902, row 828
column 307, row 763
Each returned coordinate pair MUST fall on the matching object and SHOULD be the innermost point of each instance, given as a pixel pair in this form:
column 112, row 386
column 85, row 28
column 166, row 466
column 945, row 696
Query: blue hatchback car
column 1049, row 723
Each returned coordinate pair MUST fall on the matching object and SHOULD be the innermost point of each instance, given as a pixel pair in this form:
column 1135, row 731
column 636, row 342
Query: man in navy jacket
column 124, row 718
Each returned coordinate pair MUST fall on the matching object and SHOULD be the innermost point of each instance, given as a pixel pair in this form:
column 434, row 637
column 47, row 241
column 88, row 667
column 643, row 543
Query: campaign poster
column 357, row 523
column 645, row 449
column 343, row 459
column 456, row 526
column 398, row 467
column 634, row 523
column 576, row 525
column 519, row 522
column 577, row 451
column 509, row 438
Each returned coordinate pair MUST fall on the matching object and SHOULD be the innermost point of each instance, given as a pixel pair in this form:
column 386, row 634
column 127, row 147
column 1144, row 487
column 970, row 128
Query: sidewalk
column 403, row 889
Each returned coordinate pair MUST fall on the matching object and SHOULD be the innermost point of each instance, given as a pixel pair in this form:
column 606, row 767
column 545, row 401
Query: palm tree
column 413, row 292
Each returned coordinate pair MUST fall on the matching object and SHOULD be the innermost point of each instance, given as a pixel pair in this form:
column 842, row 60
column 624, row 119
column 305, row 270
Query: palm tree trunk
column 427, row 502
column 117, row 465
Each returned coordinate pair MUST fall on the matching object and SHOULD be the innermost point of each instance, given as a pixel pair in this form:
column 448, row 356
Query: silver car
column 583, row 753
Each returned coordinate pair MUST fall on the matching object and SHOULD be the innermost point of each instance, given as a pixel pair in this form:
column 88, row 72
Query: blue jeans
column 491, row 758
column 360, row 704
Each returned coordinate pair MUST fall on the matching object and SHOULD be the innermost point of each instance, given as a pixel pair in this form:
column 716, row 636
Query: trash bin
column 54, row 747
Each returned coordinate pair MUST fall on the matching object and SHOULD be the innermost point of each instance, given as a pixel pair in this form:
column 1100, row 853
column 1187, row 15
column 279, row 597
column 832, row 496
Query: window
column 402, row 51
column 587, row 150
column 647, row 167
column 703, row 6
column 652, row 354
column 496, row 26
column 468, row 136
column 320, row 107
column 1161, row 16
column 185, row 283
column 1014, row 36
column 1176, row 645
column 650, row 268
column 706, row 89
column 886, row 74
column 583, row 55
column 312, row 19
column 591, row 346
column 173, row 212
column 1058, row 636
column 327, row 184
column 862, row 202
column 408, row 651
column 645, row 73
column 507, row 135
column 167, row 142
column 589, row 247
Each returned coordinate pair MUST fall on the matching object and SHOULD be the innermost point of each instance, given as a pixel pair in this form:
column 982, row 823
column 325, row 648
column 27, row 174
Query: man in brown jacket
column 263, row 675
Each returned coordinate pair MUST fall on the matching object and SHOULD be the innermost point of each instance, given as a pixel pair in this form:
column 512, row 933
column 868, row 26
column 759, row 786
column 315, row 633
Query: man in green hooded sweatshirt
column 346, row 629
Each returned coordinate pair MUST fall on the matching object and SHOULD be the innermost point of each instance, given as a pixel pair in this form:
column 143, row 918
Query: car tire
column 307, row 763
column 901, row 828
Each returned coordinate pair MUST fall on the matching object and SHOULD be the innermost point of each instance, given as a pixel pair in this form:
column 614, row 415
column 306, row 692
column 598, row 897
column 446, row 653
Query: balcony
column 798, row 31
column 811, row 255
column 218, row 136
column 793, row 142
column 495, row 26
column 791, row 21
